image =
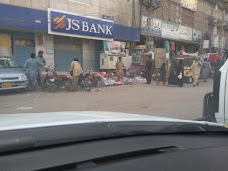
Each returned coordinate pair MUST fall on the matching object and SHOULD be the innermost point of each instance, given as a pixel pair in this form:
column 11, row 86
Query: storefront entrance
column 5, row 44
column 23, row 46
column 65, row 50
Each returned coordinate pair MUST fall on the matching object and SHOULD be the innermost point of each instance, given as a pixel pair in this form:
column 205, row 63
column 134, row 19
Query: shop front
column 17, row 35
column 65, row 50
column 77, row 36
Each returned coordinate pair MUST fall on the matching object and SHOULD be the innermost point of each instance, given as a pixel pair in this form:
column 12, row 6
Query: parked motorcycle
column 63, row 81
column 54, row 80
column 84, row 81
column 48, row 79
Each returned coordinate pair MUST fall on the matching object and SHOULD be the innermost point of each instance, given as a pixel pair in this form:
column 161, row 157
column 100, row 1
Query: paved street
column 174, row 102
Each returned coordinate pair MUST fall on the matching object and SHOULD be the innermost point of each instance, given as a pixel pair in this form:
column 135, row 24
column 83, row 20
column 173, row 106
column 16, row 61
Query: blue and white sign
column 69, row 24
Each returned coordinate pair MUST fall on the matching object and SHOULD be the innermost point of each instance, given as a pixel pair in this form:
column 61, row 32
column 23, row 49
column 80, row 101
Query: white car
column 11, row 77
column 105, row 141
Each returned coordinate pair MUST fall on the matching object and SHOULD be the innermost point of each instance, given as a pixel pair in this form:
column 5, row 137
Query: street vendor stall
column 109, row 57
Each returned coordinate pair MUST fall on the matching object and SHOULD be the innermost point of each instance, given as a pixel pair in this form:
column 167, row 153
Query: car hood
column 37, row 120
column 10, row 71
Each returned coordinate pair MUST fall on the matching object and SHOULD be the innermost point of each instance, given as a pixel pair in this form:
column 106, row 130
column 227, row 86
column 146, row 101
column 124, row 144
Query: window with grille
column 171, row 11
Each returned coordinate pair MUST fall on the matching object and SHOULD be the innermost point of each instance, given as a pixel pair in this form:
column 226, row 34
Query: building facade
column 185, row 24
column 64, row 29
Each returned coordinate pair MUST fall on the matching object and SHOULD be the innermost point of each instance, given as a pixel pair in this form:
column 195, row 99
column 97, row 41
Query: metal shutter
column 66, row 49
column 23, row 45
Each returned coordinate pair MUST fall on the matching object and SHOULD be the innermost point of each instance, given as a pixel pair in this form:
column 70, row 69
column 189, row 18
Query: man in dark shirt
column 148, row 70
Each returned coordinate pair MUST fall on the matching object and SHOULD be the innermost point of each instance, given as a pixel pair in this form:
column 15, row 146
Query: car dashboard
column 147, row 152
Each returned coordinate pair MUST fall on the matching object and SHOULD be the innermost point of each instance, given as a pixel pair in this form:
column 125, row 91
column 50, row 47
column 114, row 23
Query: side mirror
column 208, row 108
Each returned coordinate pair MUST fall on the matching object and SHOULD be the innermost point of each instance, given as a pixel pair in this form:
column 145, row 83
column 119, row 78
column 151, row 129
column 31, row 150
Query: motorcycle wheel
column 87, row 87
column 49, row 85
column 69, row 85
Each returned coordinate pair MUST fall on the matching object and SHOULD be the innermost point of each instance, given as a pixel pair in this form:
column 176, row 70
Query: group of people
column 35, row 65
column 176, row 74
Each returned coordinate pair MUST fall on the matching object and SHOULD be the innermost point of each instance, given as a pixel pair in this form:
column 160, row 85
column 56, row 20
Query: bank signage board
column 154, row 27
column 73, row 25
column 170, row 30
column 185, row 33
column 190, row 4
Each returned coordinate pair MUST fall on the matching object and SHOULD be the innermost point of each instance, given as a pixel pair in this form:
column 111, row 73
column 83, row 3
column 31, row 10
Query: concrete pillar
column 44, row 42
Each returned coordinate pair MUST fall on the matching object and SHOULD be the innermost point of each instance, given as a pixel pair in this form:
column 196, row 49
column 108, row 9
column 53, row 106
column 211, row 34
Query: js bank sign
column 68, row 24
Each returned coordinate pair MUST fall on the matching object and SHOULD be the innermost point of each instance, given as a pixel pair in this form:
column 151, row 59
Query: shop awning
column 124, row 33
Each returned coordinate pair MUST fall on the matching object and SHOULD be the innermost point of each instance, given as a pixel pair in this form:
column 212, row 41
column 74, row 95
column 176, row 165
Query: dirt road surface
column 166, row 101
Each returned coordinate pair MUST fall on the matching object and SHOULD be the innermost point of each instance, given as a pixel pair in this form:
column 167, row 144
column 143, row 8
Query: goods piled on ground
column 100, row 79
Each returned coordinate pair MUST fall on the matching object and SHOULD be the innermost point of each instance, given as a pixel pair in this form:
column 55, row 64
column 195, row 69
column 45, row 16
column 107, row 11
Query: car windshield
column 86, row 61
column 6, row 62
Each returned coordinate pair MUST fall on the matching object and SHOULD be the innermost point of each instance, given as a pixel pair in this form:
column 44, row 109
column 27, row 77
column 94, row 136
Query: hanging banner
column 206, row 44
column 144, row 27
column 191, row 54
column 154, row 28
column 215, row 41
column 115, row 47
column 185, row 33
column 190, row 4
column 197, row 36
column 170, row 30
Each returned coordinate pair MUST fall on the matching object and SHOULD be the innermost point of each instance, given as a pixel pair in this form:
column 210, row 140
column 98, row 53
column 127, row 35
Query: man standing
column 41, row 59
column 148, row 70
column 31, row 66
column 76, row 70
column 206, row 69
column 196, row 67
column 119, row 69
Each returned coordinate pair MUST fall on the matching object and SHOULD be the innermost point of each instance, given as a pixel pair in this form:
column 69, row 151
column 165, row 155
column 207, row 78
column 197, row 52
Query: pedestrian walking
column 31, row 67
column 206, row 69
column 179, row 74
column 171, row 78
column 76, row 70
column 162, row 74
column 196, row 67
column 148, row 70
column 41, row 68
column 119, row 69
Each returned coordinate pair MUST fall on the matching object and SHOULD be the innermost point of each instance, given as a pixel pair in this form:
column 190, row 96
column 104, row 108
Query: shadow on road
column 12, row 92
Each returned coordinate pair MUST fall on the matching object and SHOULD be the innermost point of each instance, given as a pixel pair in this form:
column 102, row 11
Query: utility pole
column 150, row 5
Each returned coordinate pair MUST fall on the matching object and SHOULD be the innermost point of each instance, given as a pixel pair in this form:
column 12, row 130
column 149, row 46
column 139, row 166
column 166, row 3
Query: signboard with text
column 69, row 24
column 196, row 36
column 154, row 27
column 185, row 33
column 170, row 30
column 190, row 4
column 206, row 44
